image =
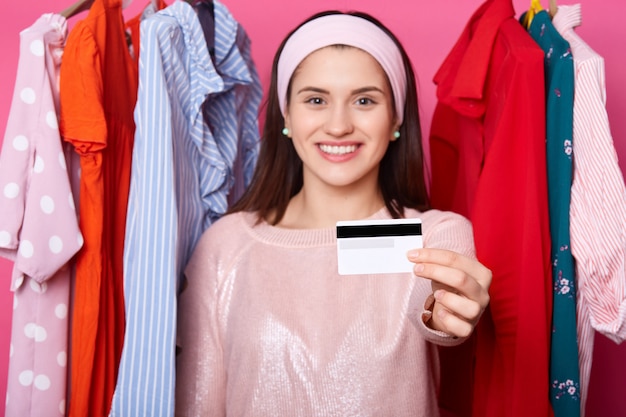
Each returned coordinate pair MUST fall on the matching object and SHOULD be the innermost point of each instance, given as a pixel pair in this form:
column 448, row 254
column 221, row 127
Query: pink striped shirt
column 598, row 205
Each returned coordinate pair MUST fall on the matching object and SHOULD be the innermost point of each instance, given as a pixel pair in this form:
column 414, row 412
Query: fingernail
column 438, row 294
column 413, row 254
column 418, row 268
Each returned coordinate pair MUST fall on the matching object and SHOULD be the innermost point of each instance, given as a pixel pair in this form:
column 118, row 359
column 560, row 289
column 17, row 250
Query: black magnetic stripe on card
column 375, row 230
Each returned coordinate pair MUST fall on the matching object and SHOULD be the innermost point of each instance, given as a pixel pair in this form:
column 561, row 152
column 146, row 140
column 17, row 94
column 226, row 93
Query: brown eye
column 315, row 100
column 364, row 101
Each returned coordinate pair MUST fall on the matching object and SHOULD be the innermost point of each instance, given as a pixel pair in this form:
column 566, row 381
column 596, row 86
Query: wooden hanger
column 552, row 8
column 78, row 7
column 84, row 5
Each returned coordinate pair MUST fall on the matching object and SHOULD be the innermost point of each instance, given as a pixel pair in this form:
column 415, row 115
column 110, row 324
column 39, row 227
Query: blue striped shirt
column 196, row 145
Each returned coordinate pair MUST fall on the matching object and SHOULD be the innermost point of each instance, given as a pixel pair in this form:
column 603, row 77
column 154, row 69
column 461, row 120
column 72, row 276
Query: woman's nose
column 338, row 122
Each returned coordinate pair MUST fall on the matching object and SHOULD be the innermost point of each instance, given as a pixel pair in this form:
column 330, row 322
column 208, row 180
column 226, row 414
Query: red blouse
column 488, row 163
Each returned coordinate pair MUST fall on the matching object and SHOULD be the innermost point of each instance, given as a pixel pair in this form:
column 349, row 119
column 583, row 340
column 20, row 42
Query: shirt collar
column 203, row 76
column 461, row 78
column 231, row 64
column 567, row 17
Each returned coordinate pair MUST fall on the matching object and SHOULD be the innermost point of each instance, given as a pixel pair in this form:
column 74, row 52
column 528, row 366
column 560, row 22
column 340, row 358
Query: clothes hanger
column 156, row 4
column 78, row 7
column 535, row 7
column 553, row 8
column 84, row 5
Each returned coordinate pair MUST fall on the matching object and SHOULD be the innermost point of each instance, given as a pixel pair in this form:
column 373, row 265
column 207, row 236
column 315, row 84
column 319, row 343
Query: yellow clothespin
column 535, row 7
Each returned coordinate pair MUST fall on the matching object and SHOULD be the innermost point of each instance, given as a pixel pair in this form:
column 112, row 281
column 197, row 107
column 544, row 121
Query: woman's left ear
column 396, row 134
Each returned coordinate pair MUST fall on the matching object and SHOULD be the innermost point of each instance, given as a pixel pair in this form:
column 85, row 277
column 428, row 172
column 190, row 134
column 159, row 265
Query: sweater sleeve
column 442, row 230
column 200, row 371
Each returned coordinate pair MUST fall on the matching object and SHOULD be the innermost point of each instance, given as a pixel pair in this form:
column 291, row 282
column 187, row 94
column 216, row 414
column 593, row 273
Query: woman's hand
column 460, row 287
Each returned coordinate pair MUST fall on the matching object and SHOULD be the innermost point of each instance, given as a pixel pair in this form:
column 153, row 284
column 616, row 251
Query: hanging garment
column 98, row 94
column 38, row 226
column 133, row 27
column 189, row 131
column 598, row 204
column 233, row 119
column 489, row 163
column 559, row 82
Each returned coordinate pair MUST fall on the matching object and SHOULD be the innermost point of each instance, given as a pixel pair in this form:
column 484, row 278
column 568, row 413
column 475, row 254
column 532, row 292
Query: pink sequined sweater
column 267, row 327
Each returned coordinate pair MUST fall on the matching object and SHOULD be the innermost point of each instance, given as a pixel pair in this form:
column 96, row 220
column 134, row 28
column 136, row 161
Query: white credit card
column 377, row 246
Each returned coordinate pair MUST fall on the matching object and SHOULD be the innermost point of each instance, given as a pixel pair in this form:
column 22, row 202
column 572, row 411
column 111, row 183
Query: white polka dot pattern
column 56, row 245
column 26, row 378
column 60, row 311
column 42, row 382
column 26, row 249
column 38, row 287
column 41, row 235
column 20, row 143
column 39, row 165
column 28, row 95
column 62, row 162
column 18, row 283
column 51, row 120
column 19, row 280
column 11, row 190
column 62, row 359
column 37, row 47
column 5, row 238
column 35, row 332
column 47, row 204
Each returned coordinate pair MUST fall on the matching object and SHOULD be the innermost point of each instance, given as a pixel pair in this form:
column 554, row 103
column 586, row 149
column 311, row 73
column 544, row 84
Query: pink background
column 428, row 30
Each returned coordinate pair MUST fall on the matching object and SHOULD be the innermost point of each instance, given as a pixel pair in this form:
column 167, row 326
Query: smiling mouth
column 338, row 149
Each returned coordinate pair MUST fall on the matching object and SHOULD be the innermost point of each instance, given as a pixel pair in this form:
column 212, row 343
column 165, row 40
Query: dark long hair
column 278, row 173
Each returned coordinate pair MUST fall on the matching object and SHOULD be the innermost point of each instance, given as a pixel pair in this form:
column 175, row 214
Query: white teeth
column 338, row 150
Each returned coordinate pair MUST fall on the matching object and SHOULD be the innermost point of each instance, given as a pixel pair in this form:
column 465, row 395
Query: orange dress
column 98, row 90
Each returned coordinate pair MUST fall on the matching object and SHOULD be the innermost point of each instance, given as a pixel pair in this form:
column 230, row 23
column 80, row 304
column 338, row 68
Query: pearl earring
column 285, row 131
column 396, row 134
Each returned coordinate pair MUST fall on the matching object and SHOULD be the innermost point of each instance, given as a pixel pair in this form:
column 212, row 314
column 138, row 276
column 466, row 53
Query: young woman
column 267, row 326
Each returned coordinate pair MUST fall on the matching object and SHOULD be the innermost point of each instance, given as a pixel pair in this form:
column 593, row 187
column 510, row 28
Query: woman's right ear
column 286, row 131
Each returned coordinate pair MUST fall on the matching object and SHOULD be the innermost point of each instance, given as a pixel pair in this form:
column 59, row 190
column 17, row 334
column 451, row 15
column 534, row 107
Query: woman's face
column 340, row 117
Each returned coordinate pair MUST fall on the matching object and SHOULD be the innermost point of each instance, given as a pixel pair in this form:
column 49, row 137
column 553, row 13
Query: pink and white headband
column 343, row 29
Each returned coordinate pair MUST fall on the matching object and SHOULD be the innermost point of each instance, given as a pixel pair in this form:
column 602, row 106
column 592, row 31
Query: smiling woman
column 341, row 120
column 427, row 31
column 267, row 326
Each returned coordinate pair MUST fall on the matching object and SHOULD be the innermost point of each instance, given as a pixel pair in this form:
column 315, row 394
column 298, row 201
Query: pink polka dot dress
column 38, row 226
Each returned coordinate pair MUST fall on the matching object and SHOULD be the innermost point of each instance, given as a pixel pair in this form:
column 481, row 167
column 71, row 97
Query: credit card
column 377, row 246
